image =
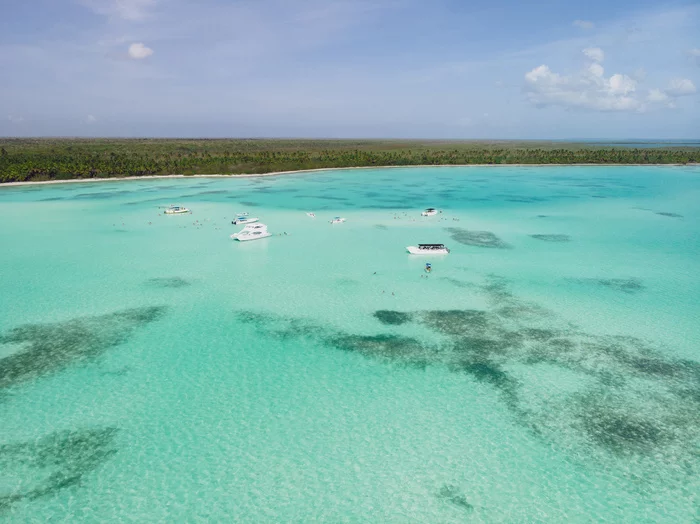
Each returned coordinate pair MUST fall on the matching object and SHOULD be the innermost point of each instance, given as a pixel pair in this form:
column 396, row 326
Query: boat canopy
column 431, row 246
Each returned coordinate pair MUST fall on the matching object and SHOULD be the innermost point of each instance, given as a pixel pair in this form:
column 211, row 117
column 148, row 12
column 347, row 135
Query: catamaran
column 431, row 211
column 248, row 229
column 428, row 249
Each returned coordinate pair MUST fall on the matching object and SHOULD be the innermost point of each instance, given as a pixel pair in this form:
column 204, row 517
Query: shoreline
column 298, row 171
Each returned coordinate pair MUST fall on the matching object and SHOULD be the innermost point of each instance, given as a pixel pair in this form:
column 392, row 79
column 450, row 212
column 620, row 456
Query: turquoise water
column 151, row 369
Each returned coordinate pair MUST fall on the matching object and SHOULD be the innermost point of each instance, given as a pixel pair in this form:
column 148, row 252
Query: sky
column 454, row 69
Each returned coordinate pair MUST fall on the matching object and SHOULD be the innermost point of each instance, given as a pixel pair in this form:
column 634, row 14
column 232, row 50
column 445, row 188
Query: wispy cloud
column 594, row 53
column 694, row 55
column 583, row 24
column 680, row 87
column 15, row 119
column 125, row 9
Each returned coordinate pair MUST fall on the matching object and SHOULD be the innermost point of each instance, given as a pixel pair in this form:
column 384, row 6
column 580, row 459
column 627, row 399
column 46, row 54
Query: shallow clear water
column 546, row 370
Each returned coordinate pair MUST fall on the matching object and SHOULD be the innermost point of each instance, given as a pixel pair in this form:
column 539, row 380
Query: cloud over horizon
column 590, row 89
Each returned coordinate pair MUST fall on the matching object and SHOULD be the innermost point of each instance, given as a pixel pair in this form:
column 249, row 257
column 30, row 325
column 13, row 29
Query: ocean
column 546, row 370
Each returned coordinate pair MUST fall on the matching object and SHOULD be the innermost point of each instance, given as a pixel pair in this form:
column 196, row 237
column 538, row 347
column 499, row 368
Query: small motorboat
column 176, row 210
column 338, row 220
column 248, row 229
column 252, row 233
column 243, row 214
column 428, row 249
column 431, row 211
column 428, row 267
column 241, row 219
column 312, row 215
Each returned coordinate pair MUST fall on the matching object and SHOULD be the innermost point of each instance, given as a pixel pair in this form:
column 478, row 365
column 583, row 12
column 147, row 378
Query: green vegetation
column 62, row 159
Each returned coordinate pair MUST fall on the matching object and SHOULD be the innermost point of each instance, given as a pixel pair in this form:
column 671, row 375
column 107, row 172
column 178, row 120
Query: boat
column 312, row 215
column 176, row 210
column 338, row 220
column 428, row 249
column 244, row 214
column 431, row 211
column 244, row 220
column 249, row 228
column 428, row 267
column 254, row 233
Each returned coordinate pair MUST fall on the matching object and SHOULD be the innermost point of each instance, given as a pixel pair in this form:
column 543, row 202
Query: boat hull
column 248, row 238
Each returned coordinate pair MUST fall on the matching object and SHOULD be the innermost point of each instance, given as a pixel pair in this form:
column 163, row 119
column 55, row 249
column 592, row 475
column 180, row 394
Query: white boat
column 176, row 210
column 428, row 249
column 338, row 220
column 244, row 214
column 248, row 229
column 252, row 234
column 431, row 211
column 244, row 220
column 312, row 215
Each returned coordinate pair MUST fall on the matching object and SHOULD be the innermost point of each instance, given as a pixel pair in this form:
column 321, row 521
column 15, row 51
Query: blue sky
column 350, row 68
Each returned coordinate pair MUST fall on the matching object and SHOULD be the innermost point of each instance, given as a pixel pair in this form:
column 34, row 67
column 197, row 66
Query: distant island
column 25, row 160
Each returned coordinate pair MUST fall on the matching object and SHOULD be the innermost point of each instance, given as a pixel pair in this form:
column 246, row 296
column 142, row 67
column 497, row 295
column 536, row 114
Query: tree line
column 62, row 160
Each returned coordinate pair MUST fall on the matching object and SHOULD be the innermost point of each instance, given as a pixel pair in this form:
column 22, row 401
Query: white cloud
column 596, row 69
column 583, row 24
column 90, row 119
column 594, row 53
column 589, row 89
column 15, row 119
column 657, row 96
column 126, row 9
column 139, row 51
column 622, row 85
column 680, row 87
